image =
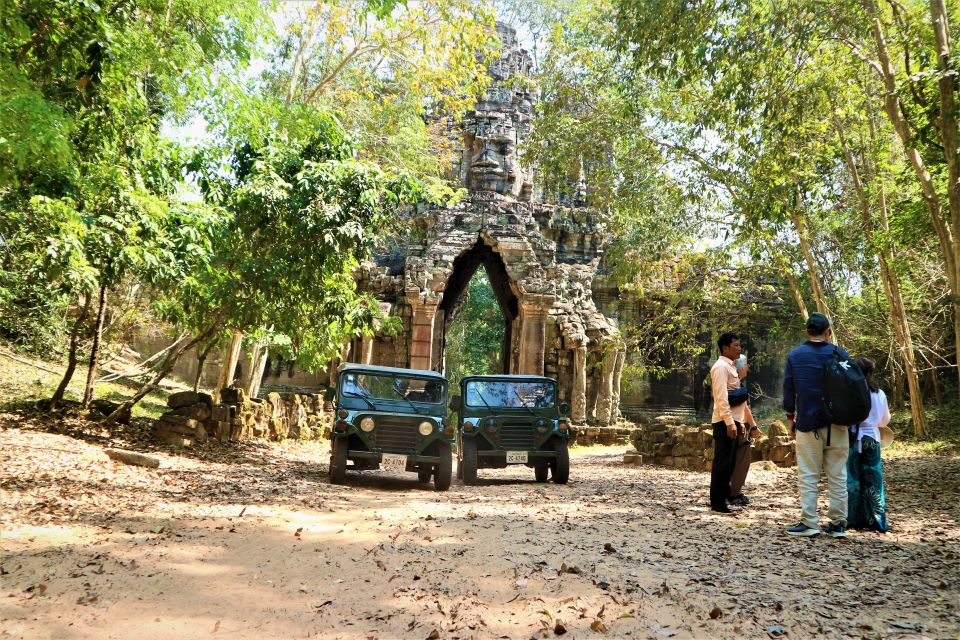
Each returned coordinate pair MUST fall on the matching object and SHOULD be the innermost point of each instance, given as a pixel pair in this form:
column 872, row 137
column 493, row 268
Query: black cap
column 817, row 323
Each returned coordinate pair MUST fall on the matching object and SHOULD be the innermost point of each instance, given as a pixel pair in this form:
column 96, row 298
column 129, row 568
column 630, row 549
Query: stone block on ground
column 132, row 457
column 777, row 428
column 233, row 395
column 780, row 454
column 179, row 421
column 199, row 411
column 174, row 439
column 220, row 413
column 185, row 398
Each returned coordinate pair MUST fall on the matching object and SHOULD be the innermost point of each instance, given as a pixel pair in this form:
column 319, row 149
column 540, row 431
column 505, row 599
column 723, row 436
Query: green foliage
column 88, row 185
column 475, row 339
column 300, row 213
column 393, row 72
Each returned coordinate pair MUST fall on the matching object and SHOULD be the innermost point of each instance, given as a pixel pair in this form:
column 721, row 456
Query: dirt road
column 252, row 542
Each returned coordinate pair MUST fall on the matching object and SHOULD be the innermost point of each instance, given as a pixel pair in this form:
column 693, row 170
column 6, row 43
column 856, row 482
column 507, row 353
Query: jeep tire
column 561, row 466
column 444, row 469
column 469, row 461
column 338, row 459
column 540, row 471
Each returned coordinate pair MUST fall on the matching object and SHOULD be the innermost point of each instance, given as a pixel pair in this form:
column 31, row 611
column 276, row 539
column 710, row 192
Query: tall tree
column 88, row 87
column 299, row 211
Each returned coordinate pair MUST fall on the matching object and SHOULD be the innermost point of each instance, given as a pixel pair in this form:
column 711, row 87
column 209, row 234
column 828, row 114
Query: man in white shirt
column 727, row 420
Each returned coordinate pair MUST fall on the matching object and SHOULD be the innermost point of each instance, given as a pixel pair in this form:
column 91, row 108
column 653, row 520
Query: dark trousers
column 724, row 458
column 741, row 465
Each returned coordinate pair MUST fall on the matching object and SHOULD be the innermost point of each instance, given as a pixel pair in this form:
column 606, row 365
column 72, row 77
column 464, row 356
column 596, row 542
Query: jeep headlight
column 563, row 425
column 543, row 425
column 425, row 428
column 367, row 424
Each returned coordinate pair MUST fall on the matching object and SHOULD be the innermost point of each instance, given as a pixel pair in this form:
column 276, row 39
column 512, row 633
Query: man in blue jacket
column 821, row 446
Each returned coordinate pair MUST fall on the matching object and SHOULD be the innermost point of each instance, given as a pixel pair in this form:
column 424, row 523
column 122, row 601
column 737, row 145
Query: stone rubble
column 685, row 447
column 194, row 418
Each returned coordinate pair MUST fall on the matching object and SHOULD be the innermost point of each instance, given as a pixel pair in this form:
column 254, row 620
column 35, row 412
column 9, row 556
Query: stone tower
column 541, row 261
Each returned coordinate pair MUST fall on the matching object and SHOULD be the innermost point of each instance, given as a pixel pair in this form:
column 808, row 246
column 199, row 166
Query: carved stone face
column 492, row 160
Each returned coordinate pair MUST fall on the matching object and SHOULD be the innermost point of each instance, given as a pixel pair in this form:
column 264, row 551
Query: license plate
column 517, row 457
column 394, row 461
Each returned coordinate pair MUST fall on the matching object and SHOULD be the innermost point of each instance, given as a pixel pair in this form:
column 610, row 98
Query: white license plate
column 393, row 461
column 517, row 457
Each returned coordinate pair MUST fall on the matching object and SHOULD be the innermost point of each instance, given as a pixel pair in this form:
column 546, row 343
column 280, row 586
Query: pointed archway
column 464, row 266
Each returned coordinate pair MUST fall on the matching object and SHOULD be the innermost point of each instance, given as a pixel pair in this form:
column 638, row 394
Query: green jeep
column 392, row 418
column 511, row 419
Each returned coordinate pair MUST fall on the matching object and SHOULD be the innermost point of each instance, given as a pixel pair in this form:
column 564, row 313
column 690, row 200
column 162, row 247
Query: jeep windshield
column 370, row 386
column 510, row 393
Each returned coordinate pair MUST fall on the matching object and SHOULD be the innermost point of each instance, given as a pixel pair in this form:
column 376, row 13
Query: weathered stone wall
column 194, row 418
column 617, row 434
column 687, row 447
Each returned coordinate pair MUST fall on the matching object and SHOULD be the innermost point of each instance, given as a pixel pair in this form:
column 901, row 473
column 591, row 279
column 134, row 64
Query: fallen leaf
column 296, row 534
column 716, row 612
column 598, row 626
column 559, row 629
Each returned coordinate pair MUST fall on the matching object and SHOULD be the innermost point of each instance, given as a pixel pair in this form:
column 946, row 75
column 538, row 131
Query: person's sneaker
column 723, row 509
column 836, row 531
column 740, row 500
column 803, row 530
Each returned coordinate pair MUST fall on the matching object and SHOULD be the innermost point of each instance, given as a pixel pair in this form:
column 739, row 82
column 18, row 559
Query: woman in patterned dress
column 866, row 502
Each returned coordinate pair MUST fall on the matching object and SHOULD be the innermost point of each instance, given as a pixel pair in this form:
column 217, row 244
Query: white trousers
column 814, row 458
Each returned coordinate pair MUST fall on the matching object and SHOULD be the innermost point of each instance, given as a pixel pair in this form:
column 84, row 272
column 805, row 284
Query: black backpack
column 846, row 396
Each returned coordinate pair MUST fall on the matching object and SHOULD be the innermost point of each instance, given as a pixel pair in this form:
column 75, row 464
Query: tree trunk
column 807, row 252
column 201, row 360
column 179, row 347
column 258, row 360
column 935, row 381
column 947, row 84
column 71, row 355
column 797, row 296
column 229, row 365
column 946, row 233
column 891, row 286
column 95, row 347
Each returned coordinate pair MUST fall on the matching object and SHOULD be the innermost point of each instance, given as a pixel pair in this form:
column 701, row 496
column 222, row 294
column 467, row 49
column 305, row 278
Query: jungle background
column 171, row 167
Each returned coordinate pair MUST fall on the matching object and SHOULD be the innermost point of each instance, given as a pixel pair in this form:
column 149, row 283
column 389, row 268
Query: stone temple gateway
column 541, row 261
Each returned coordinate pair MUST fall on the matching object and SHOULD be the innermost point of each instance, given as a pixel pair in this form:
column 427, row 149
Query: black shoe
column 740, row 500
column 723, row 509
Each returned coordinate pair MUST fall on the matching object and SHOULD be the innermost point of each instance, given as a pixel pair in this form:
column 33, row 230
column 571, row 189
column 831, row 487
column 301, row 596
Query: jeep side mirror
column 455, row 404
column 564, row 409
column 329, row 394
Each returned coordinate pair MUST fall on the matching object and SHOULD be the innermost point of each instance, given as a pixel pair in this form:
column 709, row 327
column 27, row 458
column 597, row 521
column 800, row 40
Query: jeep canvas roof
column 390, row 371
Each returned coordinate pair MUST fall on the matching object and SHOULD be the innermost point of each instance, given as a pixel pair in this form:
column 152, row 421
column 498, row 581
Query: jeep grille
column 517, row 437
column 396, row 435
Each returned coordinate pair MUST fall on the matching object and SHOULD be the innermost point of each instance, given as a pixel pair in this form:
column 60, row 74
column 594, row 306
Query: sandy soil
column 252, row 541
